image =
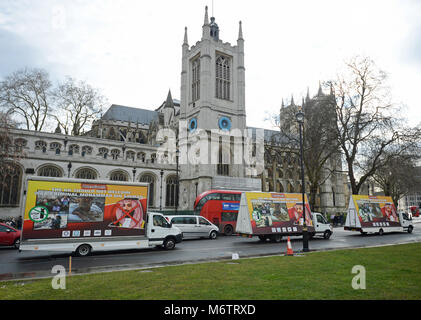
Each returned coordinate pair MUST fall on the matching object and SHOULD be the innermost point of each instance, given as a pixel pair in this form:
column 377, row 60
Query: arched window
column 103, row 152
column 223, row 162
column 141, row 156
column 86, row 173
column 73, row 148
column 153, row 157
column 223, row 77
column 171, row 196
column 55, row 145
column 195, row 79
column 119, row 176
column 20, row 143
column 50, row 171
column 115, row 153
column 148, row 178
column 86, row 150
column 130, row 155
column 10, row 179
column 39, row 145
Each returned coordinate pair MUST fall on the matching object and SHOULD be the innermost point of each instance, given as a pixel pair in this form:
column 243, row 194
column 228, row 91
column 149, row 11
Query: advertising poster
column 277, row 212
column 57, row 209
column 376, row 211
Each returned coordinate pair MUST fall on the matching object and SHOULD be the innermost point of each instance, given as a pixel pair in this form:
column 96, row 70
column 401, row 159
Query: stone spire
column 169, row 103
column 320, row 92
column 206, row 20
column 185, row 42
column 292, row 100
column 308, row 94
column 240, row 32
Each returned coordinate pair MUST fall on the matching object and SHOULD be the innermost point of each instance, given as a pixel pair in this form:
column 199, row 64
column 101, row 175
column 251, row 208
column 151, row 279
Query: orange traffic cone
column 289, row 248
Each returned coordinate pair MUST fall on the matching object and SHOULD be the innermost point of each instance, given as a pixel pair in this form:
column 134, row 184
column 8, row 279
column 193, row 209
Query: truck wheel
column 327, row 234
column 275, row 238
column 380, row 232
column 83, row 250
column 263, row 238
column 213, row 235
column 410, row 228
column 169, row 244
column 228, row 230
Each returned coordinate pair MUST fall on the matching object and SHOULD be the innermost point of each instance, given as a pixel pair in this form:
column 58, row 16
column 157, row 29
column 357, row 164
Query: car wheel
column 83, row 250
column 410, row 228
column 228, row 230
column 16, row 244
column 169, row 244
column 213, row 235
column 381, row 232
column 327, row 234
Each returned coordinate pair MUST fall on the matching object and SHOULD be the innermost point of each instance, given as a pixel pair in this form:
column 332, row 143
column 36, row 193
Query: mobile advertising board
column 268, row 213
column 366, row 211
column 70, row 208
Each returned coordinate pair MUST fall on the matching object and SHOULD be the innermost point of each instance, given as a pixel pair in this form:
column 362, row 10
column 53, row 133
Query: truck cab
column 321, row 226
column 406, row 221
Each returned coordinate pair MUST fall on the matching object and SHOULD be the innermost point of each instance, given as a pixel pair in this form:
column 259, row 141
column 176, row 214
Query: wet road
column 39, row 264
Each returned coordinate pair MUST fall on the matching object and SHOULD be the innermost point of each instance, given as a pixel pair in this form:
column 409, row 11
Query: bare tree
column 321, row 153
column 26, row 93
column 367, row 125
column 77, row 104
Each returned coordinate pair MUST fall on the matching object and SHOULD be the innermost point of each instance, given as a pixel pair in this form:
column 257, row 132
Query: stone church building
column 126, row 143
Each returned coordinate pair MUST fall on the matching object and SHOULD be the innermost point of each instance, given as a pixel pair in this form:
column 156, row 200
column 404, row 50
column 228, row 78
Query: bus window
column 227, row 196
column 228, row 216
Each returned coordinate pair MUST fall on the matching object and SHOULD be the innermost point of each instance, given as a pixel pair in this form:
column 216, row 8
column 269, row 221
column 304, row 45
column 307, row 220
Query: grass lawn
column 392, row 272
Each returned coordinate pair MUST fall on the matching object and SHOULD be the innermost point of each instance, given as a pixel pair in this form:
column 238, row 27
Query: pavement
column 27, row 264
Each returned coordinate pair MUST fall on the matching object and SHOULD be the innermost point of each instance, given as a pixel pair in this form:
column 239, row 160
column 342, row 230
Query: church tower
column 213, row 103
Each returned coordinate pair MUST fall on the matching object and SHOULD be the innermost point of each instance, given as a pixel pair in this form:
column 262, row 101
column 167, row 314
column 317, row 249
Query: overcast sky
column 131, row 50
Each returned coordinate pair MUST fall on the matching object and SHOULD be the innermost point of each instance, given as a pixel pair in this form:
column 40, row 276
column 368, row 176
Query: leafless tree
column 26, row 93
column 77, row 104
column 367, row 125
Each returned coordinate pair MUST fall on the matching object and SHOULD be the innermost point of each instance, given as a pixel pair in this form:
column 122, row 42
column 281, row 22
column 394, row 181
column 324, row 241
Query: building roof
column 134, row 115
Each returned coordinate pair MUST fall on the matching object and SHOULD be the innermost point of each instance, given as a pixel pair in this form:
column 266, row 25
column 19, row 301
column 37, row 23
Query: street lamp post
column 300, row 119
column 134, row 174
column 160, row 193
column 177, row 152
column 69, row 167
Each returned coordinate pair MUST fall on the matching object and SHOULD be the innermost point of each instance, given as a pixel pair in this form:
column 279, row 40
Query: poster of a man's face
column 86, row 209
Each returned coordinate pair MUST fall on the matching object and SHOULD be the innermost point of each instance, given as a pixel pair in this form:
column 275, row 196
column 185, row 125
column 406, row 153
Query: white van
column 194, row 226
column 321, row 226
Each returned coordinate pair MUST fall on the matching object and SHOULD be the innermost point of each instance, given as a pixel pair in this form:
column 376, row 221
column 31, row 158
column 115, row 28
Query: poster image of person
column 390, row 213
column 128, row 213
column 262, row 213
column 86, row 209
column 53, row 222
column 296, row 214
column 281, row 212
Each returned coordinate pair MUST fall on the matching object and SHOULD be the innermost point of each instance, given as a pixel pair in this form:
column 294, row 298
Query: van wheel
column 381, row 232
column 169, row 244
column 83, row 250
column 327, row 234
column 213, row 235
column 410, row 228
column 228, row 230
column 263, row 238
column 275, row 238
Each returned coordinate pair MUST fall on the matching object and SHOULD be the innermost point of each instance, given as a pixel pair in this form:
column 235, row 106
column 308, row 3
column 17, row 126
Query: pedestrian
column 332, row 218
column 19, row 223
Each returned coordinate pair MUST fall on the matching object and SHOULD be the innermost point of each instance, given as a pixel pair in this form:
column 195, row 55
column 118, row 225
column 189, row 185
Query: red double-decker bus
column 220, row 207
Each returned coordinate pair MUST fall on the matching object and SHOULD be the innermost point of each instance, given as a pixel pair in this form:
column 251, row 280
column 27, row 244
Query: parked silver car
column 194, row 226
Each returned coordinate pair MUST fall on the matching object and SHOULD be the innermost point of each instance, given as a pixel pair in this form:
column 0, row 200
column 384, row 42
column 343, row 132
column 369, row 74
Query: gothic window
column 55, row 146
column 147, row 178
column 103, row 152
column 73, row 148
column 86, row 150
column 130, row 155
column 10, row 178
column 39, row 145
column 20, row 144
column 153, row 157
column 222, row 166
column 50, row 171
column 115, row 153
column 171, row 196
column 223, row 77
column 119, row 176
column 195, row 63
column 86, row 173
column 141, row 156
